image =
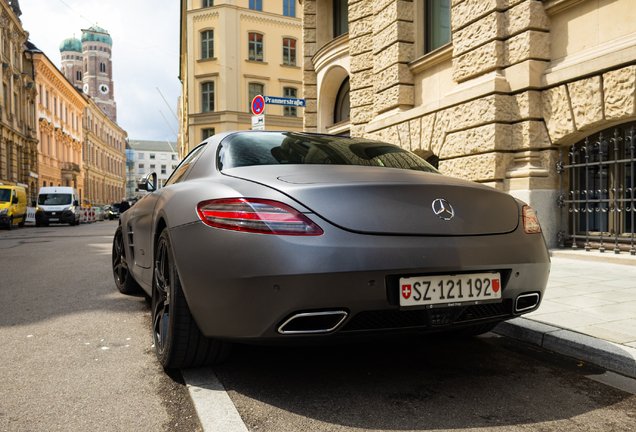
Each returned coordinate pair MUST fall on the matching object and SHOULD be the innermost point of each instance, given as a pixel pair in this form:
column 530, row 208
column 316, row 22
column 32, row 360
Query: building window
column 207, row 44
column 341, row 110
column 174, row 157
column 207, row 3
column 253, row 91
column 256, row 5
column 437, row 21
column 340, row 17
column 207, row 97
column 78, row 75
column 152, row 155
column 291, row 93
column 289, row 8
column 205, row 134
column 289, row 52
column 140, row 155
column 163, row 169
column 102, row 67
column 164, row 157
column 85, row 66
column 141, row 169
column 255, row 47
column 152, row 167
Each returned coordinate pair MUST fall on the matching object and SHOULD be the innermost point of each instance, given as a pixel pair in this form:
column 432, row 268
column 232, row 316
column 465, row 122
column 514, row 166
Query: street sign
column 258, row 122
column 292, row 102
column 258, row 105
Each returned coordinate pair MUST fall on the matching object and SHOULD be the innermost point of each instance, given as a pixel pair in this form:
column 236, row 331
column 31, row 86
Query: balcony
column 71, row 167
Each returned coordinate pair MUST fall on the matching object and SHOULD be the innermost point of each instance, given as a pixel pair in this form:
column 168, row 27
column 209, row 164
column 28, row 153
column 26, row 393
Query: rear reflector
column 256, row 215
column 530, row 221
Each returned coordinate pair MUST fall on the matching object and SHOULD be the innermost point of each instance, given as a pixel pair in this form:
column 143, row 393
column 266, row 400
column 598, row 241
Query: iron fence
column 599, row 181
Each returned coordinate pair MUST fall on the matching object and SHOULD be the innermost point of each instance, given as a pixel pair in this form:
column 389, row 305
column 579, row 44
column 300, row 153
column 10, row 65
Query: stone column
column 361, row 94
column 310, row 89
column 393, row 48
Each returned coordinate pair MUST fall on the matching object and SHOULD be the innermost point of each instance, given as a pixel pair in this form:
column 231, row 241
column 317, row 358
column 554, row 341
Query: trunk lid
column 388, row 200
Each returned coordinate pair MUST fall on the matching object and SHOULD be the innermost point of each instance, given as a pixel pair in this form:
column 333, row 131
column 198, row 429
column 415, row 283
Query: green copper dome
column 71, row 44
column 92, row 37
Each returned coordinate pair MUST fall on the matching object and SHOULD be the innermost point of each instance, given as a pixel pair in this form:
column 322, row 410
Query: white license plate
column 54, row 219
column 450, row 290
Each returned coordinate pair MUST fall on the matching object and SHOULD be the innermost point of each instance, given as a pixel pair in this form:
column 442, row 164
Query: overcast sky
column 145, row 53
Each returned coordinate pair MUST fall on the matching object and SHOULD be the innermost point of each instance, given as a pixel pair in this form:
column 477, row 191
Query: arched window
column 255, row 47
column 102, row 67
column 85, row 66
column 207, row 97
column 78, row 76
column 289, row 52
column 207, row 44
column 341, row 110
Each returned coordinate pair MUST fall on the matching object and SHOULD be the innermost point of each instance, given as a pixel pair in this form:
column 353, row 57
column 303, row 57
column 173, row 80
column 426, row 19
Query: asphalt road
column 76, row 354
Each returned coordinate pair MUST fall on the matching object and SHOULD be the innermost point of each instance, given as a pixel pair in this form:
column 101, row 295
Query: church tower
column 71, row 51
column 97, row 75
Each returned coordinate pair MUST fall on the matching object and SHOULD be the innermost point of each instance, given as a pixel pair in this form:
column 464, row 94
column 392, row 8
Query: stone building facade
column 60, row 112
column 18, row 137
column 104, row 161
column 519, row 83
column 232, row 50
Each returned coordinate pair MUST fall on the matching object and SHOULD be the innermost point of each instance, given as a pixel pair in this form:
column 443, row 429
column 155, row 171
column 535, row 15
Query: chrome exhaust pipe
column 313, row 322
column 526, row 302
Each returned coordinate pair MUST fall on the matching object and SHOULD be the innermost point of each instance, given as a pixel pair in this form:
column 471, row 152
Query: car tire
column 37, row 224
column 23, row 222
column 10, row 224
column 177, row 339
column 124, row 281
column 72, row 223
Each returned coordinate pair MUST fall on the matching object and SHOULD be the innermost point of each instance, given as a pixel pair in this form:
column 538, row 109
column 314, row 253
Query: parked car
column 57, row 204
column 288, row 237
column 113, row 211
column 13, row 206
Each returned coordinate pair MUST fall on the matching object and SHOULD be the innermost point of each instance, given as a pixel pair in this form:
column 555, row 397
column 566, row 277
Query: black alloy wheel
column 178, row 341
column 126, row 284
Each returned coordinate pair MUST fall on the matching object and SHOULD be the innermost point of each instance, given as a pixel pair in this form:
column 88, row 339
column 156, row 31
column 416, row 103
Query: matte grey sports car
column 286, row 237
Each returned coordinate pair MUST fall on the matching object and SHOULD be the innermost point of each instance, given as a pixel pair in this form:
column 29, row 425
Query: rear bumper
column 242, row 286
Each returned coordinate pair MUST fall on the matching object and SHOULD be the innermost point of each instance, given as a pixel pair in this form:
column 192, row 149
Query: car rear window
column 284, row 148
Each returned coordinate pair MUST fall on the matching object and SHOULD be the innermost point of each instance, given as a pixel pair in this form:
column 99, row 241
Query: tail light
column 257, row 216
column 530, row 221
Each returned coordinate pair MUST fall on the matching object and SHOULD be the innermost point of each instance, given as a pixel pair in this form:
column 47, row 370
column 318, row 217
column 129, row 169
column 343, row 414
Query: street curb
column 214, row 407
column 611, row 356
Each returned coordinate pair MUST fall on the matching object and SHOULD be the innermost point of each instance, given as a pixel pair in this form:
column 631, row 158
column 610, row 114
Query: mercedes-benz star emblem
column 443, row 209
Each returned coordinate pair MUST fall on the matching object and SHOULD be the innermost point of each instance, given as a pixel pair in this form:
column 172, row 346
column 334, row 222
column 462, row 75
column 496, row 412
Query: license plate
column 53, row 213
column 450, row 290
column 54, row 219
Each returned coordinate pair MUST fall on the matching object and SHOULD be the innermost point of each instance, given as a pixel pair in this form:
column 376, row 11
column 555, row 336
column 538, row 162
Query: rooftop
column 158, row 146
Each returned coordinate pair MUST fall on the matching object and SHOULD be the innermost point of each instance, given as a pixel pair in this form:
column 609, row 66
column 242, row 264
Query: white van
column 57, row 204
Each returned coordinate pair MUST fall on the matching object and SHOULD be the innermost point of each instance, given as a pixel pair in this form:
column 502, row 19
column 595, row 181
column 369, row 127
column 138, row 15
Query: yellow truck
column 13, row 206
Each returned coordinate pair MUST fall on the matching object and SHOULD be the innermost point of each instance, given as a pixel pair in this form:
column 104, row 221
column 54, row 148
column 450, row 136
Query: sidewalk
column 589, row 310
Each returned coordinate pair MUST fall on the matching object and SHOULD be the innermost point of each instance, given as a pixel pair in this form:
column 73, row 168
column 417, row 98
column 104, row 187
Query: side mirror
column 149, row 182
column 14, row 200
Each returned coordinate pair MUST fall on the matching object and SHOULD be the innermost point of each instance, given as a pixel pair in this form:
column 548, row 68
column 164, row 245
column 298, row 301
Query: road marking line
column 216, row 411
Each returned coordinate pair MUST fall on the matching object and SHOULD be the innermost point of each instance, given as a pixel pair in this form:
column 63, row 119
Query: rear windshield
column 52, row 199
column 284, row 148
column 5, row 195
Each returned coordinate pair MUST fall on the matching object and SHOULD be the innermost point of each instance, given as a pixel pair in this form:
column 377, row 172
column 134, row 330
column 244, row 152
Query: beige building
column 501, row 92
column 231, row 51
column 104, row 161
column 18, row 138
column 60, row 112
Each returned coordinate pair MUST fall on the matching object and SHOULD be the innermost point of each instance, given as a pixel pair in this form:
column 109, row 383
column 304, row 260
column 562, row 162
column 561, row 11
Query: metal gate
column 597, row 189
